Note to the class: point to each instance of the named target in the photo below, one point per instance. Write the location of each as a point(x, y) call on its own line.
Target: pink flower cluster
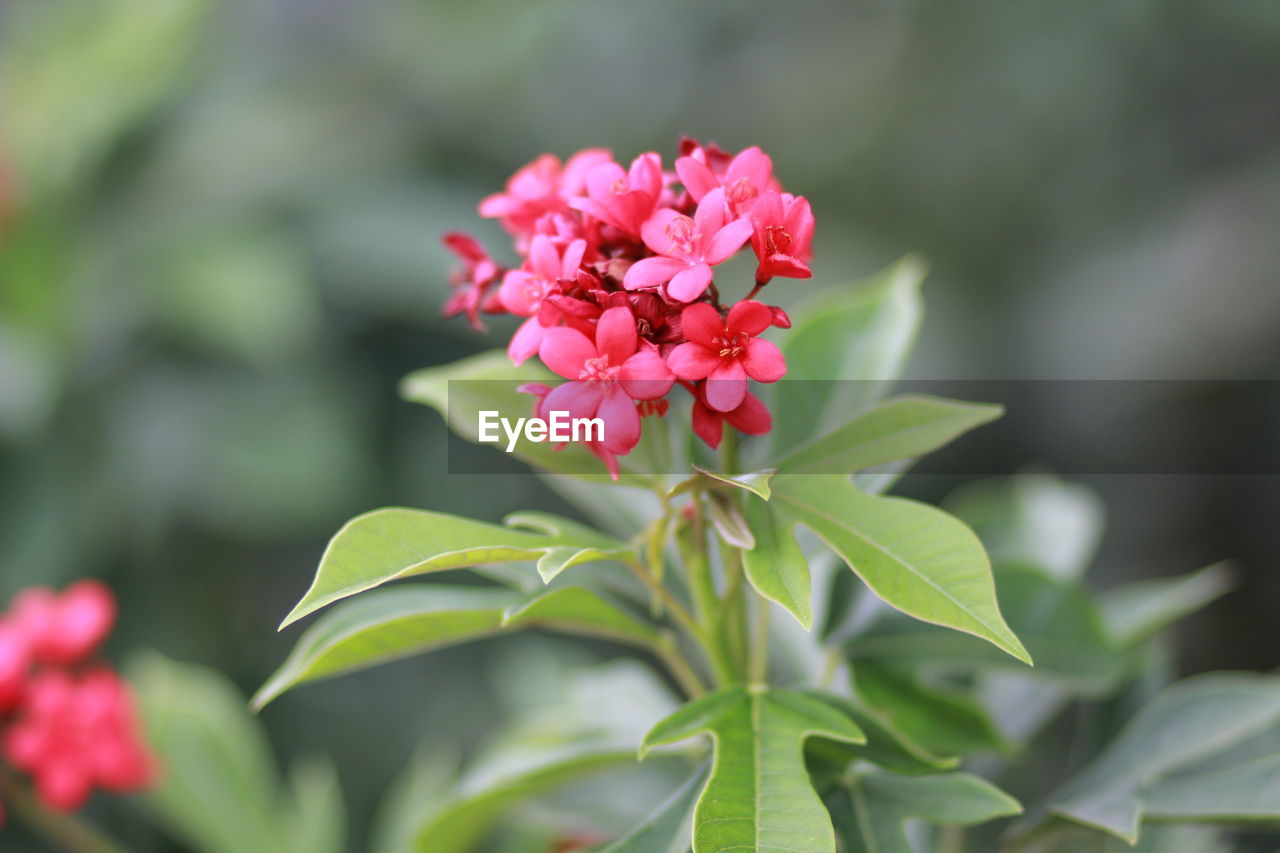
point(617, 284)
point(66, 719)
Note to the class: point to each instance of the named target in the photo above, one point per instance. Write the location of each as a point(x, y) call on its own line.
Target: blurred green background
point(219, 253)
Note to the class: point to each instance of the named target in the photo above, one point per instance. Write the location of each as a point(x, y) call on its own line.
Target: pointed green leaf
point(887, 746)
point(1249, 791)
point(489, 382)
point(579, 610)
point(1056, 619)
point(756, 482)
point(942, 721)
point(388, 544)
point(1186, 724)
point(846, 333)
point(879, 803)
point(776, 567)
point(1138, 610)
point(667, 829)
point(900, 428)
point(759, 796)
point(916, 558)
point(318, 823)
point(387, 625)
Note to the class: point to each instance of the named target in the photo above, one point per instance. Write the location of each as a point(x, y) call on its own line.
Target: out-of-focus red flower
point(471, 283)
point(67, 720)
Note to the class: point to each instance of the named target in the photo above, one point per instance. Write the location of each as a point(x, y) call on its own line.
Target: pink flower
point(625, 200)
point(15, 661)
point(524, 291)
point(606, 376)
point(782, 234)
point(540, 410)
point(687, 248)
point(77, 733)
point(750, 417)
point(471, 283)
point(65, 629)
point(748, 176)
point(726, 352)
point(543, 186)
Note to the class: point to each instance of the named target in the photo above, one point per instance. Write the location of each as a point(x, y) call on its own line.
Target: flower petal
point(707, 425)
point(652, 272)
point(621, 421)
point(701, 324)
point(727, 240)
point(696, 177)
point(526, 341)
point(654, 231)
point(752, 417)
point(690, 283)
point(763, 361)
point(579, 399)
point(646, 376)
point(749, 318)
point(565, 351)
point(572, 259)
point(712, 213)
point(726, 386)
point(616, 336)
point(693, 361)
point(544, 260)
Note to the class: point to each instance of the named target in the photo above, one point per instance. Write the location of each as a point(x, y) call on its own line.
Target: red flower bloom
point(747, 177)
point(606, 376)
point(471, 283)
point(623, 199)
point(64, 629)
point(687, 248)
point(727, 352)
point(76, 733)
point(524, 291)
point(750, 417)
point(782, 234)
point(544, 186)
point(15, 663)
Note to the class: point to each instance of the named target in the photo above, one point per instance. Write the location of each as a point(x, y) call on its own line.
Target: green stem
point(64, 831)
point(669, 653)
point(760, 644)
point(734, 604)
point(707, 604)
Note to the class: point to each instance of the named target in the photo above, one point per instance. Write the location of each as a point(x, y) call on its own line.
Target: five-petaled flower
point(782, 233)
point(606, 375)
point(726, 351)
point(747, 177)
point(524, 292)
point(687, 248)
point(627, 199)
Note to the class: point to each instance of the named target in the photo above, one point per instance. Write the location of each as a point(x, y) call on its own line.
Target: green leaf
point(776, 567)
point(579, 610)
point(1138, 610)
point(1034, 519)
point(489, 382)
point(1186, 724)
point(941, 721)
point(319, 822)
point(220, 785)
point(667, 829)
point(1249, 791)
point(916, 558)
point(595, 726)
point(756, 482)
point(887, 746)
point(901, 428)
point(427, 778)
point(759, 796)
point(387, 625)
point(879, 803)
point(847, 333)
point(389, 544)
point(1056, 619)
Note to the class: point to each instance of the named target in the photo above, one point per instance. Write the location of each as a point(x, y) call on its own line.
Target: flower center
point(732, 346)
point(535, 290)
point(619, 186)
point(741, 191)
point(598, 370)
point(777, 240)
point(683, 234)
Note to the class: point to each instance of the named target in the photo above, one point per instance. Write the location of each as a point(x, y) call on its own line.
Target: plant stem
point(760, 644)
point(65, 831)
point(669, 653)
point(702, 585)
point(678, 610)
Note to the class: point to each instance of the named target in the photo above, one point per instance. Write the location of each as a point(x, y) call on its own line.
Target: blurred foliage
point(218, 254)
